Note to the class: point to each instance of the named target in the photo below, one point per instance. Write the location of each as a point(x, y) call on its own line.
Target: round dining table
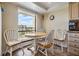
point(36, 36)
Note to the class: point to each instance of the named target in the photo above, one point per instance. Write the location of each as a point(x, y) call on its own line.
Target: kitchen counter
point(73, 31)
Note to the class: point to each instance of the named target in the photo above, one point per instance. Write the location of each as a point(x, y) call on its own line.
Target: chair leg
point(37, 47)
point(46, 52)
point(61, 47)
point(23, 51)
point(6, 49)
point(52, 50)
point(10, 51)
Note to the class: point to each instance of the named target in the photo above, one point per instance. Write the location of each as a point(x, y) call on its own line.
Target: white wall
point(60, 21)
point(0, 31)
point(10, 16)
point(39, 22)
point(9, 19)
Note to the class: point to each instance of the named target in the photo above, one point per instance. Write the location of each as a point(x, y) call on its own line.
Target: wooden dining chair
point(45, 45)
point(10, 37)
point(13, 42)
point(60, 42)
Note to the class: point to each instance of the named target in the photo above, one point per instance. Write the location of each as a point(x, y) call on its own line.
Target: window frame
point(32, 16)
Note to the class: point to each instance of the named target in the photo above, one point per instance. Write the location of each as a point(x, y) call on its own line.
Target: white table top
point(36, 34)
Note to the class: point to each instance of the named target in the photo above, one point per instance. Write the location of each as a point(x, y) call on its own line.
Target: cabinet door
point(70, 11)
point(73, 51)
point(74, 10)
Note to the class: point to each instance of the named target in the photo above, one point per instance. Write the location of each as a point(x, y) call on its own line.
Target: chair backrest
point(50, 37)
point(60, 34)
point(10, 35)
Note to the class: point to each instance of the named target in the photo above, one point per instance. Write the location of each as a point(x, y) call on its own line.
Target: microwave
point(74, 25)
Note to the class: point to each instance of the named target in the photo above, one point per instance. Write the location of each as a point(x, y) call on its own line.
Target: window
point(26, 23)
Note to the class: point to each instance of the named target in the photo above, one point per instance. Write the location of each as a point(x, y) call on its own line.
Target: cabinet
point(73, 44)
point(74, 10)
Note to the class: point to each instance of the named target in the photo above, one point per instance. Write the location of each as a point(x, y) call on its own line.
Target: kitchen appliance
point(74, 25)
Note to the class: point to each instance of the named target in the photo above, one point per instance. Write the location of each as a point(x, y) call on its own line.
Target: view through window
point(26, 24)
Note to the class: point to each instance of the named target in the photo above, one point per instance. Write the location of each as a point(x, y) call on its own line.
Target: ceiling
point(47, 5)
point(41, 7)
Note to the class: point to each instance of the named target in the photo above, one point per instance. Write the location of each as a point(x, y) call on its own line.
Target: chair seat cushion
point(45, 44)
point(14, 42)
point(25, 39)
point(42, 37)
point(11, 43)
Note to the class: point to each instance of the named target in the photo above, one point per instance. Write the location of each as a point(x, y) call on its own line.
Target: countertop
point(73, 31)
